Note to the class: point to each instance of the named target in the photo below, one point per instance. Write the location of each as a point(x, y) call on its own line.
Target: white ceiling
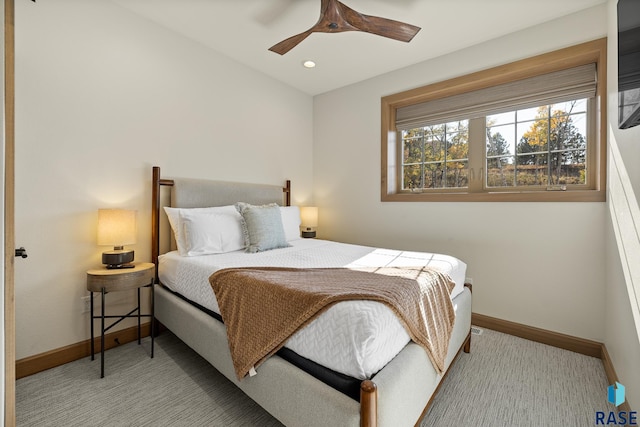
point(245, 29)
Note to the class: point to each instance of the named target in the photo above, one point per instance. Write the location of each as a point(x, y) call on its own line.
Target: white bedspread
point(356, 338)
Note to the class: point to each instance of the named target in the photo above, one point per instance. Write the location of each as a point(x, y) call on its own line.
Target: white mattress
point(356, 338)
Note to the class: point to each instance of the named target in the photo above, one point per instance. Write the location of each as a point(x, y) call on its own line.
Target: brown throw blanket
point(262, 307)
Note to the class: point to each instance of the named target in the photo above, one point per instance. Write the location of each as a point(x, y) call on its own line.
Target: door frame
point(8, 213)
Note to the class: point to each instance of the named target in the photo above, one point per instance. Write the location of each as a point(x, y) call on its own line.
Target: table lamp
point(117, 227)
point(309, 221)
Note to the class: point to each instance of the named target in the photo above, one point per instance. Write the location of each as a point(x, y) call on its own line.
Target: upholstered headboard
point(197, 193)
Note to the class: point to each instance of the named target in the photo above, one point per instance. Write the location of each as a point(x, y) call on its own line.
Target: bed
point(390, 382)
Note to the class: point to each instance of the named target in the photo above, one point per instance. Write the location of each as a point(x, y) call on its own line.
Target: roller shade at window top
point(558, 86)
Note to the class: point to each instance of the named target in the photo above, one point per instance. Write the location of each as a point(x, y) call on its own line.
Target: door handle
point(21, 252)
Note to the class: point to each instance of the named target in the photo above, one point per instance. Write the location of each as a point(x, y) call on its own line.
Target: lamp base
point(118, 259)
point(309, 234)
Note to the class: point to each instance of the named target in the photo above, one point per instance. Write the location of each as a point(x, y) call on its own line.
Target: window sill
point(521, 196)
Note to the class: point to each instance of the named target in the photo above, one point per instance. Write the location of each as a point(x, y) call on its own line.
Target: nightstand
point(104, 281)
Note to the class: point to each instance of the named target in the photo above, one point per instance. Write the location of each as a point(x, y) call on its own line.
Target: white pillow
point(211, 232)
point(291, 222)
point(173, 214)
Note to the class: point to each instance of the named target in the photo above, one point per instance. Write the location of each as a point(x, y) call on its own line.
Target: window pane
point(434, 146)
point(501, 140)
point(574, 157)
point(549, 144)
point(570, 172)
point(435, 132)
point(459, 126)
point(412, 178)
point(501, 119)
point(568, 125)
point(528, 114)
point(500, 172)
point(457, 146)
point(577, 106)
point(412, 152)
point(579, 120)
point(564, 132)
point(533, 136)
point(436, 156)
point(457, 140)
point(457, 174)
point(433, 175)
point(535, 172)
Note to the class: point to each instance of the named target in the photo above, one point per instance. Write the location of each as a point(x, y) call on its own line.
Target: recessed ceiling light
point(308, 64)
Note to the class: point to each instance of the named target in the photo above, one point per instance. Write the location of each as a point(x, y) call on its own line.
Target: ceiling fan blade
point(286, 45)
point(336, 17)
point(380, 26)
point(388, 28)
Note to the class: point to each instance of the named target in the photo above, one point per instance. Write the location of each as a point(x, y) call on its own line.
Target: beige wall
point(541, 264)
point(103, 95)
point(622, 327)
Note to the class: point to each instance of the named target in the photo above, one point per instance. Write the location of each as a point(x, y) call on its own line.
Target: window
point(527, 131)
point(538, 147)
point(436, 156)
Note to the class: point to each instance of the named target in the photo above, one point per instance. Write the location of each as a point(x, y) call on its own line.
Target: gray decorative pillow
point(262, 227)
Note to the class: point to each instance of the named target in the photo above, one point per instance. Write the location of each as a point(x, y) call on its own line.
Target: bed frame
point(399, 394)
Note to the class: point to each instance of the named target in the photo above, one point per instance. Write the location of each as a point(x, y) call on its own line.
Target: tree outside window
point(543, 146)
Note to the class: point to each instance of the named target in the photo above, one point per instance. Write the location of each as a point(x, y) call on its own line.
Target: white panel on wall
point(622, 300)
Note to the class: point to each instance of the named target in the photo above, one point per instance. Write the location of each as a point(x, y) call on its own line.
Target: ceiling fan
point(336, 17)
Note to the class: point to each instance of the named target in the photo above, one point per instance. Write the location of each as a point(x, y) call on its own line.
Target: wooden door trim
point(9, 219)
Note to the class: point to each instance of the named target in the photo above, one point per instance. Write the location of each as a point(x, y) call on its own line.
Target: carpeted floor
point(504, 382)
point(508, 381)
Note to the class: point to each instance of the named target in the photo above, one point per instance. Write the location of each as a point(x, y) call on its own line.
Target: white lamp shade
point(309, 216)
point(116, 227)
